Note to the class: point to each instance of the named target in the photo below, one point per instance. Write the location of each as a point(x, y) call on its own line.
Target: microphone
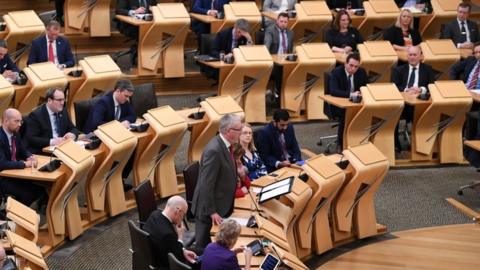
point(52, 165)
point(303, 176)
point(199, 115)
point(77, 72)
point(343, 164)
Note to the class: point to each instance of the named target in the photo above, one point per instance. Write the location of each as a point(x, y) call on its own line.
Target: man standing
point(462, 31)
point(113, 106)
point(7, 67)
point(231, 38)
point(13, 155)
point(52, 48)
point(345, 81)
point(217, 180)
point(277, 144)
point(412, 79)
point(166, 229)
point(49, 124)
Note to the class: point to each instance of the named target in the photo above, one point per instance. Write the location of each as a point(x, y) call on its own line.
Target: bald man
point(14, 155)
point(166, 229)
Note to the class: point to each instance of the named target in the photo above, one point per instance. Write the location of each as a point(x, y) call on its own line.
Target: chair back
point(259, 36)
point(206, 43)
point(190, 176)
point(175, 264)
point(327, 107)
point(142, 257)
point(144, 98)
point(82, 110)
point(145, 199)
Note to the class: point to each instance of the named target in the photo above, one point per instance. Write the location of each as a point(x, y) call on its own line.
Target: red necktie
point(51, 56)
point(14, 148)
point(284, 41)
point(474, 80)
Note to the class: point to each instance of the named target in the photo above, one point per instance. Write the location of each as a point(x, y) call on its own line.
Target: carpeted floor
point(407, 199)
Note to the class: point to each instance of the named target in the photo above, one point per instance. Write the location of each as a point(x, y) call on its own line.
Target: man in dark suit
point(212, 8)
point(462, 31)
point(52, 47)
point(345, 81)
point(132, 8)
point(231, 38)
point(166, 230)
point(113, 106)
point(217, 180)
point(7, 67)
point(14, 155)
point(49, 124)
point(468, 69)
point(277, 144)
point(413, 79)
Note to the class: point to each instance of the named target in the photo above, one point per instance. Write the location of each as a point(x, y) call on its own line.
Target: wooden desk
point(29, 174)
point(223, 68)
point(91, 15)
point(441, 54)
point(242, 10)
point(379, 15)
point(215, 24)
point(310, 22)
point(7, 91)
point(378, 58)
point(443, 12)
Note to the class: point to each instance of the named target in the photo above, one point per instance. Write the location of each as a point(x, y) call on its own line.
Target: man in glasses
point(49, 124)
point(217, 179)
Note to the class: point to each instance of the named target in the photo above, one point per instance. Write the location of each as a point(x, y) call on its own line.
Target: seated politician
point(277, 144)
point(462, 31)
point(166, 231)
point(49, 124)
point(51, 48)
point(402, 34)
point(468, 70)
point(342, 37)
point(213, 8)
point(8, 69)
point(14, 155)
point(132, 8)
point(411, 79)
point(345, 81)
point(231, 38)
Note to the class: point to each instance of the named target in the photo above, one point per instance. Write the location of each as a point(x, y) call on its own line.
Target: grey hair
point(228, 233)
point(243, 25)
point(227, 121)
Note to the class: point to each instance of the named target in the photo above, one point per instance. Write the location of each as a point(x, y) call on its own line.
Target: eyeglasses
point(237, 129)
point(59, 99)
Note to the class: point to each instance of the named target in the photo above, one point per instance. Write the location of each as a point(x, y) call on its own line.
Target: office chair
point(329, 111)
point(472, 154)
point(142, 247)
point(175, 264)
point(145, 199)
point(190, 176)
point(143, 98)
point(82, 109)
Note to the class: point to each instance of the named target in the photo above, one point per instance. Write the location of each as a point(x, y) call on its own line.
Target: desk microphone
point(343, 164)
point(52, 165)
point(77, 72)
point(199, 115)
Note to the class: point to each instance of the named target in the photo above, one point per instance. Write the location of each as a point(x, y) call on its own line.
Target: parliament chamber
point(383, 193)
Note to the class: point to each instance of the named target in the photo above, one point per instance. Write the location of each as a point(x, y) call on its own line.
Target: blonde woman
point(251, 159)
point(402, 35)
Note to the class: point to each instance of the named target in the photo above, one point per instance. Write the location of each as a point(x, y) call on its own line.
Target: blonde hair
point(397, 23)
point(251, 144)
point(228, 233)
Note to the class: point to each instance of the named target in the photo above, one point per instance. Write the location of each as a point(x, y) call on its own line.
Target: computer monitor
point(270, 262)
point(276, 189)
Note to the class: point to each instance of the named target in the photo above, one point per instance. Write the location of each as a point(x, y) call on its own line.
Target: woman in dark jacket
point(342, 37)
point(402, 35)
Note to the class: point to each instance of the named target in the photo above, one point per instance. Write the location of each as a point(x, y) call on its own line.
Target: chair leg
point(472, 185)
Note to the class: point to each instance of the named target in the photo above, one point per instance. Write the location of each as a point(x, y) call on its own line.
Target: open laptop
point(270, 262)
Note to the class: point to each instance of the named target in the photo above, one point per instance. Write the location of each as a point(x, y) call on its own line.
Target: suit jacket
point(223, 42)
point(395, 36)
point(39, 51)
point(39, 131)
point(462, 69)
point(452, 31)
point(164, 239)
point(274, 5)
point(124, 6)
point(272, 38)
point(269, 146)
point(104, 111)
point(351, 38)
point(203, 6)
point(338, 81)
point(6, 154)
point(6, 63)
point(217, 181)
point(400, 76)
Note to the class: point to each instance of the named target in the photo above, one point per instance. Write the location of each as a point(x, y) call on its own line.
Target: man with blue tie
point(51, 48)
point(49, 124)
point(14, 155)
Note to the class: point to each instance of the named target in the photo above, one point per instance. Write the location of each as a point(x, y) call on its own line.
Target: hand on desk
point(31, 162)
point(140, 10)
point(284, 163)
point(465, 45)
point(212, 12)
point(10, 75)
point(413, 90)
point(69, 135)
point(57, 141)
point(126, 124)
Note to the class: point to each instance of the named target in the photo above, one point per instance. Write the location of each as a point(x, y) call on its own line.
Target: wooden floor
point(437, 248)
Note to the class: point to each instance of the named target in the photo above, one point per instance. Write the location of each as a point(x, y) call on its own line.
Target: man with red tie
point(14, 155)
point(52, 48)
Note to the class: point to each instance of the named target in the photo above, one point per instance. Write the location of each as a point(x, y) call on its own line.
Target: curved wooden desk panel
point(376, 19)
point(25, 218)
point(443, 120)
point(376, 120)
point(378, 57)
point(28, 250)
point(441, 55)
point(41, 77)
point(325, 179)
point(310, 22)
point(92, 14)
point(353, 208)
point(7, 92)
point(105, 186)
point(306, 81)
point(430, 27)
point(241, 10)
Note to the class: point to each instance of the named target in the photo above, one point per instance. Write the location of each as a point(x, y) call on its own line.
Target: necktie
point(463, 31)
point(143, 3)
point(51, 56)
point(213, 5)
point(117, 112)
point(14, 148)
point(284, 41)
point(411, 79)
point(474, 79)
point(349, 83)
point(57, 124)
point(283, 146)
